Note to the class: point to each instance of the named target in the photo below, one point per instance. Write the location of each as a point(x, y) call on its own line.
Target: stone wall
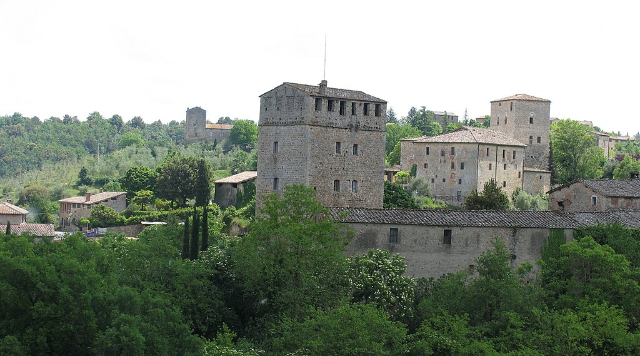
point(427, 255)
point(578, 198)
point(196, 121)
point(536, 182)
point(128, 230)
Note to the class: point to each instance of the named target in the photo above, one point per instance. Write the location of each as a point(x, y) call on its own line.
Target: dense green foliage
point(395, 196)
point(491, 198)
point(574, 153)
point(244, 134)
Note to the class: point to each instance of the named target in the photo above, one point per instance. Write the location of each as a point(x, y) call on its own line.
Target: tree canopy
point(574, 153)
point(491, 198)
point(244, 134)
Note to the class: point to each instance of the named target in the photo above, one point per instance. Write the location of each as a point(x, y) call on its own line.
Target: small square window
point(355, 149)
point(446, 239)
point(338, 149)
point(336, 186)
point(393, 235)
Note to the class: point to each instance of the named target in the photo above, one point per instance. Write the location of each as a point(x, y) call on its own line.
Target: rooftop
point(468, 134)
point(521, 97)
point(34, 229)
point(314, 90)
point(444, 113)
point(10, 209)
point(627, 188)
point(239, 178)
point(93, 199)
point(480, 218)
point(219, 126)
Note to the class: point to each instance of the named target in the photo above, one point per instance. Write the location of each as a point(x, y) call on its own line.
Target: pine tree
point(205, 229)
point(185, 238)
point(195, 235)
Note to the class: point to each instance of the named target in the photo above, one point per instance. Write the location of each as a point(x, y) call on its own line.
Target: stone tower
point(195, 125)
point(326, 138)
point(526, 119)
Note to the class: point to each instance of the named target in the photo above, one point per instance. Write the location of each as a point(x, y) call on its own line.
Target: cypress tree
point(195, 235)
point(185, 238)
point(8, 230)
point(205, 229)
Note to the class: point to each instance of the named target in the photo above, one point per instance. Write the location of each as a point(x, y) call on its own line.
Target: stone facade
point(526, 119)
point(80, 206)
point(536, 181)
point(197, 129)
point(445, 118)
point(326, 138)
point(12, 214)
point(459, 162)
point(596, 195)
point(434, 243)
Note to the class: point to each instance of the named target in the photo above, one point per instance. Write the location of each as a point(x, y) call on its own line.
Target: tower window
point(275, 184)
point(539, 139)
point(446, 238)
point(275, 147)
point(343, 105)
point(442, 153)
point(531, 119)
point(511, 109)
point(453, 165)
point(504, 183)
point(489, 166)
point(459, 195)
point(318, 104)
point(377, 110)
point(336, 186)
point(514, 154)
point(426, 165)
point(504, 154)
point(329, 105)
point(355, 149)
point(393, 235)
point(519, 174)
point(338, 150)
point(427, 150)
point(365, 109)
point(460, 181)
point(505, 166)
point(353, 108)
point(505, 120)
point(594, 200)
point(530, 140)
point(453, 151)
point(461, 165)
point(354, 186)
point(433, 180)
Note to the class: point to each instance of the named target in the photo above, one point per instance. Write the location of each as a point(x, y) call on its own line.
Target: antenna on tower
point(324, 73)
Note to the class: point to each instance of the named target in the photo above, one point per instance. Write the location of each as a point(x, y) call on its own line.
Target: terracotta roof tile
point(219, 126)
point(239, 178)
point(10, 209)
point(468, 134)
point(627, 188)
point(35, 229)
point(336, 93)
point(626, 218)
point(93, 199)
point(521, 97)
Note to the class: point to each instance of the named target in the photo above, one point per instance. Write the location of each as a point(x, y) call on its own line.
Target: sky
point(155, 59)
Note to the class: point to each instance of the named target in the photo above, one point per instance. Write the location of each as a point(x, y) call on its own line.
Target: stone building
point(463, 160)
point(326, 138)
point(585, 195)
point(17, 217)
point(227, 189)
point(437, 242)
point(445, 118)
point(79, 207)
point(526, 119)
point(197, 129)
point(13, 214)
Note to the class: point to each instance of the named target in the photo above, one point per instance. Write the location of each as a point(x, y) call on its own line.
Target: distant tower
point(526, 119)
point(326, 138)
point(195, 125)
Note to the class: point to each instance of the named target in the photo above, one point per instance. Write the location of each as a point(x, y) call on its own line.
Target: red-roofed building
point(79, 207)
point(13, 214)
point(226, 192)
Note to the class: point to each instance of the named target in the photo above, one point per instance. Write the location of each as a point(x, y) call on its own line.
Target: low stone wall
point(127, 230)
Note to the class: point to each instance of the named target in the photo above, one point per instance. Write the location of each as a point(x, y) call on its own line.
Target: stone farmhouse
point(197, 129)
point(444, 118)
point(17, 217)
point(79, 207)
point(585, 195)
point(227, 189)
point(326, 138)
point(461, 161)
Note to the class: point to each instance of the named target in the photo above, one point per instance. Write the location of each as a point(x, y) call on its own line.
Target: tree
point(225, 120)
point(423, 120)
point(391, 116)
point(244, 134)
point(195, 236)
point(7, 231)
point(176, 178)
point(394, 156)
point(292, 259)
point(491, 198)
point(143, 198)
point(627, 169)
point(117, 122)
point(103, 216)
point(396, 197)
point(138, 178)
point(574, 152)
point(83, 177)
point(203, 183)
point(185, 238)
point(131, 138)
point(137, 123)
point(397, 132)
point(205, 229)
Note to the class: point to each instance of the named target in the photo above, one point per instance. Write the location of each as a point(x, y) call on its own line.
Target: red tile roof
point(34, 229)
point(239, 178)
point(468, 134)
point(521, 97)
point(219, 126)
point(10, 209)
point(93, 199)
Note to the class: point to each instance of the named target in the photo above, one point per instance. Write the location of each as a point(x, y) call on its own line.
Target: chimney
point(87, 197)
point(323, 87)
point(100, 190)
point(9, 201)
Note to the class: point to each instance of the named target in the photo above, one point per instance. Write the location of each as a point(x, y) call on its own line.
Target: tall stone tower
point(526, 119)
point(195, 125)
point(326, 138)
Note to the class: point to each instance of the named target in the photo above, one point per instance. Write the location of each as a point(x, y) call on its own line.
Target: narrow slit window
point(343, 107)
point(461, 165)
point(514, 154)
point(353, 108)
point(336, 186)
point(338, 149)
point(355, 149)
point(453, 165)
point(504, 184)
point(276, 184)
point(275, 147)
point(427, 150)
point(377, 110)
point(354, 186)
point(487, 151)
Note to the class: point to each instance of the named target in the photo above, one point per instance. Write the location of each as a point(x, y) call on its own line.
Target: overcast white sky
point(155, 59)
